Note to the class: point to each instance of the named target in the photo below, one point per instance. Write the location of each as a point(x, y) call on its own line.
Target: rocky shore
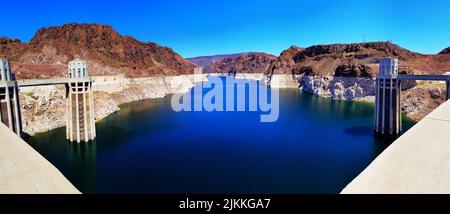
point(43, 107)
point(418, 98)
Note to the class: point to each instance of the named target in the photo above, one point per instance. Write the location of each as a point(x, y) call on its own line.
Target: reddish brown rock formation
point(357, 59)
point(107, 52)
point(10, 47)
point(360, 58)
point(285, 62)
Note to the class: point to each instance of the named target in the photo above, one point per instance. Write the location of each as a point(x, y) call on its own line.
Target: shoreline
point(43, 107)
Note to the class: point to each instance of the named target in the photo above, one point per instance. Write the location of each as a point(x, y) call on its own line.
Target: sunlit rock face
point(338, 87)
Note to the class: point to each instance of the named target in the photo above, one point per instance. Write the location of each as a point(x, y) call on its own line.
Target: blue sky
point(194, 28)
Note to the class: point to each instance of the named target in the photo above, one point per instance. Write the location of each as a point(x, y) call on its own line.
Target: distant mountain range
point(203, 61)
point(109, 53)
point(356, 59)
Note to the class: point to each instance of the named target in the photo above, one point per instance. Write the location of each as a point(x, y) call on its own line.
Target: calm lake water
point(318, 145)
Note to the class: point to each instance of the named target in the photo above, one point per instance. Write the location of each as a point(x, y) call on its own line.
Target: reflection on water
point(318, 145)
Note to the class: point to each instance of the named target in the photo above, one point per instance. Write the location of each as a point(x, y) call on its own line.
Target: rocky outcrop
point(43, 108)
point(445, 51)
point(107, 52)
point(338, 87)
point(353, 70)
point(356, 51)
point(354, 59)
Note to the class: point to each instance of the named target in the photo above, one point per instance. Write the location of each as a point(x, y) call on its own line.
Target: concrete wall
point(417, 162)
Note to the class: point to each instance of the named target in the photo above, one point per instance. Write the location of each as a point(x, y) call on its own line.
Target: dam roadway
point(417, 162)
point(24, 170)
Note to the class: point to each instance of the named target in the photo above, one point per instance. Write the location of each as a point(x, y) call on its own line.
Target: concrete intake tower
point(80, 103)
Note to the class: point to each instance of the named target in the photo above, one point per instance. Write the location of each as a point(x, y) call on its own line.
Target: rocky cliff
point(345, 60)
point(347, 71)
point(417, 101)
point(43, 107)
point(10, 47)
point(107, 52)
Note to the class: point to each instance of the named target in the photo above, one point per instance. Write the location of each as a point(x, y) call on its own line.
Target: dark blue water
point(318, 145)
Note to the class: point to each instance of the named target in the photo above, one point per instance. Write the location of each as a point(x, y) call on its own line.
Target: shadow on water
point(362, 131)
point(381, 142)
point(77, 161)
